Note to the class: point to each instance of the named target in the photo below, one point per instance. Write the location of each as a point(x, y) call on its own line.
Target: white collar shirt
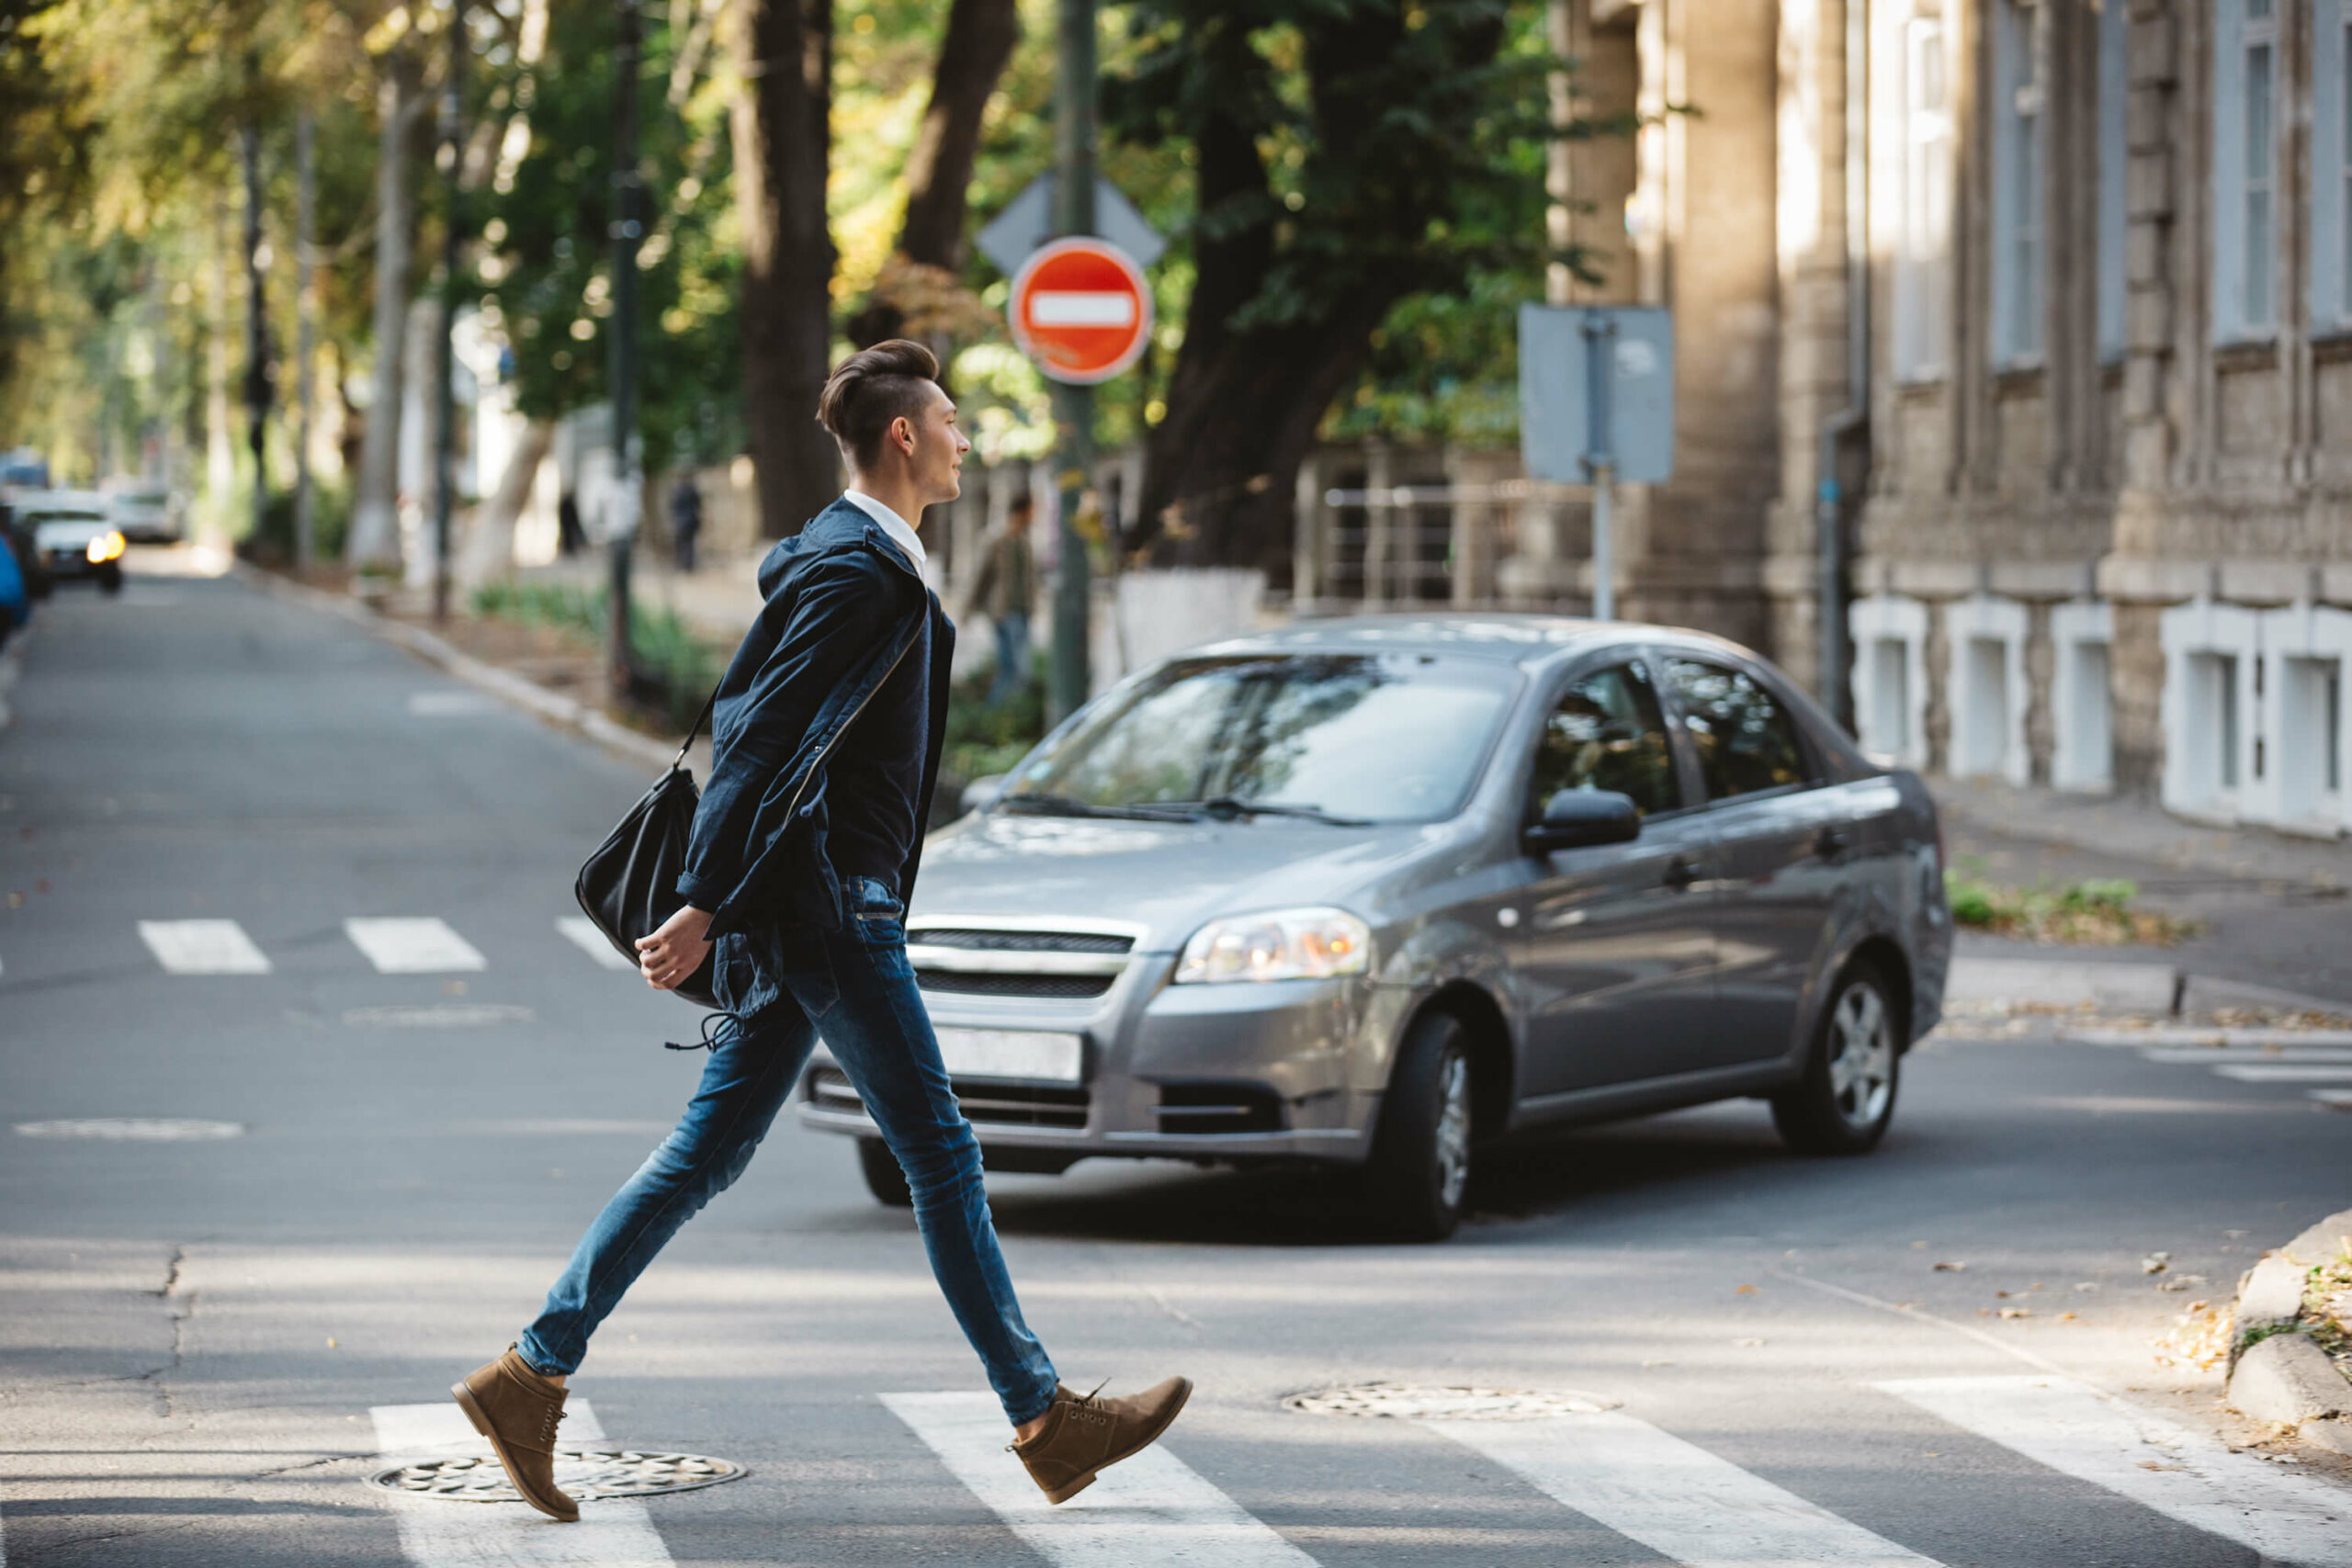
point(900, 533)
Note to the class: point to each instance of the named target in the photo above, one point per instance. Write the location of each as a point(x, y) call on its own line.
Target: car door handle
point(1680, 871)
point(1831, 843)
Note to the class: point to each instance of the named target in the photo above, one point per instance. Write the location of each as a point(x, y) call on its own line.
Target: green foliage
point(2097, 910)
point(984, 741)
point(666, 648)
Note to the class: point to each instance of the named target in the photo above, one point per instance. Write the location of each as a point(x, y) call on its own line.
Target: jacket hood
point(1169, 876)
point(843, 525)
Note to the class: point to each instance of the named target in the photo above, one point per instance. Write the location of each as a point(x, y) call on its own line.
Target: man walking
point(1005, 590)
point(826, 739)
point(686, 520)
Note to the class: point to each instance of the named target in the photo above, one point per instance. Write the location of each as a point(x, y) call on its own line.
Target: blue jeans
point(1012, 656)
point(856, 986)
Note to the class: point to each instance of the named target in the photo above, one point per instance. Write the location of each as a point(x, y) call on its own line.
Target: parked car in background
point(145, 512)
point(73, 534)
point(1381, 891)
point(17, 536)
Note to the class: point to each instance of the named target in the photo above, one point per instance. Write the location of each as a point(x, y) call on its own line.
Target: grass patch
point(681, 664)
point(983, 741)
point(2096, 912)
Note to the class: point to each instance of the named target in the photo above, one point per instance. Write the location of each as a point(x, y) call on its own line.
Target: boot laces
point(1083, 1401)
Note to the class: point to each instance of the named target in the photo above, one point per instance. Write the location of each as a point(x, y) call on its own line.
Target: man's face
point(939, 449)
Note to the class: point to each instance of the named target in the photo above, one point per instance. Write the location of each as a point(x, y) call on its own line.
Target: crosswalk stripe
point(2297, 1073)
point(404, 945)
point(1151, 1510)
point(612, 1533)
point(2153, 1461)
point(203, 947)
point(583, 934)
point(2192, 1057)
point(1673, 1496)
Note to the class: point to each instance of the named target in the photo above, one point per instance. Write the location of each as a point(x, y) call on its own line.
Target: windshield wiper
point(1064, 805)
point(1230, 806)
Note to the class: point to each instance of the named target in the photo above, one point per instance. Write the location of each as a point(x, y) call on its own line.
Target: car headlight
point(1281, 945)
point(106, 546)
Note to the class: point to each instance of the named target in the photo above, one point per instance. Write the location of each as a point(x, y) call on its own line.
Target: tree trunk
point(784, 49)
point(257, 368)
point(489, 541)
point(980, 38)
point(375, 538)
point(306, 195)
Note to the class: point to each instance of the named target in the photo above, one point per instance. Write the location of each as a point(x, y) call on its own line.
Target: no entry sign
point(1082, 310)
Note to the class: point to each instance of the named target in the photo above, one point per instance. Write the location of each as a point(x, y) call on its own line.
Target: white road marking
point(1150, 1510)
point(2296, 1074)
point(401, 945)
point(203, 947)
point(134, 1129)
point(2154, 1462)
point(2341, 1098)
point(611, 1533)
point(439, 1015)
point(450, 705)
point(582, 933)
point(1674, 1497)
point(2209, 1038)
point(2192, 1056)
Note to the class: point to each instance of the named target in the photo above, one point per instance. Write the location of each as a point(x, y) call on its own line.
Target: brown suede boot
point(1083, 1434)
point(516, 1409)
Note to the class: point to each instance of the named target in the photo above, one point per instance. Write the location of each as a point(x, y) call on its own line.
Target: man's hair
point(869, 390)
point(1022, 505)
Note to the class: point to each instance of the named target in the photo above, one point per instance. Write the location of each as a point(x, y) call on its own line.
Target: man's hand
point(670, 955)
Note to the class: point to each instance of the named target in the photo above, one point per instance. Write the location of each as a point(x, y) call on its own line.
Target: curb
point(564, 713)
point(2278, 1372)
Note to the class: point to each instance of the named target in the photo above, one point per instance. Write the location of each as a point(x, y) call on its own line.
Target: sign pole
point(1599, 334)
point(1073, 403)
point(627, 230)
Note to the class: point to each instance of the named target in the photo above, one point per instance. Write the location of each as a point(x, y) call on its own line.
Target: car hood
point(67, 532)
point(1170, 876)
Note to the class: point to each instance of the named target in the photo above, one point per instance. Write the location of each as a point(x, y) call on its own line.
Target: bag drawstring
point(718, 1029)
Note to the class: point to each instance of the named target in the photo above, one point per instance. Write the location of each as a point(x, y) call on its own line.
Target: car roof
point(55, 502)
point(1528, 640)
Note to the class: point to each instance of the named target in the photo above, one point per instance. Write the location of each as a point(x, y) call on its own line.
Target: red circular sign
point(1082, 310)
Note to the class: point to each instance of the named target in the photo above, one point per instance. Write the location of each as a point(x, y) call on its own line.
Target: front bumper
point(1231, 1072)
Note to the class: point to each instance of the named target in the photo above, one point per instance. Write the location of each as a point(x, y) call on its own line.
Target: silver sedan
point(1381, 891)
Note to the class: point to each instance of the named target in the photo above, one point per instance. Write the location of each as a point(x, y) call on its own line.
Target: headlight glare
point(1281, 945)
point(106, 546)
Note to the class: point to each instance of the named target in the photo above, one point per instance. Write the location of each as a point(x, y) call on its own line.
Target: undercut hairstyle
point(869, 390)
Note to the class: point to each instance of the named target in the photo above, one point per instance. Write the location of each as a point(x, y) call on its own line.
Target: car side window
point(1607, 732)
point(1745, 741)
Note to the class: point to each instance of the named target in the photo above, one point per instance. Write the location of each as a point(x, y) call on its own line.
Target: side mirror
point(1574, 819)
point(981, 793)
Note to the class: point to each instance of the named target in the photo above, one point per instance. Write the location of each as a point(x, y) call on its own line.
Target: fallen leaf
point(2156, 1263)
point(1748, 1344)
point(1745, 1291)
point(2017, 1312)
point(2068, 1317)
point(2087, 1285)
point(2002, 1295)
point(1950, 1269)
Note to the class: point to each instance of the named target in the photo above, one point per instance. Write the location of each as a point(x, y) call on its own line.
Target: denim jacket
point(843, 606)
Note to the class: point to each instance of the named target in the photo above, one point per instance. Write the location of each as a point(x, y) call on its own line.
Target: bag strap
point(700, 719)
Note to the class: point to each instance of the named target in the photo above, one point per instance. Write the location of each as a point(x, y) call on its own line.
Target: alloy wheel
point(1453, 1129)
point(1862, 1057)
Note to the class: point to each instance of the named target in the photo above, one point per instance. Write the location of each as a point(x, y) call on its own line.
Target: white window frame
point(2020, 186)
point(2200, 782)
point(1890, 718)
point(2293, 793)
point(2330, 286)
point(2247, 187)
point(1922, 283)
point(2082, 697)
point(1985, 743)
point(2114, 161)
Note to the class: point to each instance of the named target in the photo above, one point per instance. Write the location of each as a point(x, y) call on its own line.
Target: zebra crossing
point(2320, 1061)
point(1658, 1490)
point(389, 944)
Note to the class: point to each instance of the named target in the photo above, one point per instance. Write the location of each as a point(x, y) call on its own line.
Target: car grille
point(1016, 1105)
point(998, 959)
point(1219, 1108)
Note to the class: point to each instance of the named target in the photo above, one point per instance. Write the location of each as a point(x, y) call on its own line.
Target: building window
point(1922, 264)
point(2331, 167)
point(2245, 168)
point(2017, 182)
point(2082, 752)
point(2114, 89)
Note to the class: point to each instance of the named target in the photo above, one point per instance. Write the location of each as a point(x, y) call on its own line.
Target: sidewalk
point(2130, 830)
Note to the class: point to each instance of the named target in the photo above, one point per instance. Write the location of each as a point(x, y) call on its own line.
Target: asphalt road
point(207, 1345)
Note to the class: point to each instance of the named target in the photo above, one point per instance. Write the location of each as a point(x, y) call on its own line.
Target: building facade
point(2059, 293)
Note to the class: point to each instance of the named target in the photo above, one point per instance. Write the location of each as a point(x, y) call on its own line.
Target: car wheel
point(1420, 1170)
point(111, 579)
point(1846, 1099)
point(883, 1176)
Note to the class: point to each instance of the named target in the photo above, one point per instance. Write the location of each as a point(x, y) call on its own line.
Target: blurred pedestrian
point(686, 520)
point(1005, 590)
point(570, 537)
point(827, 730)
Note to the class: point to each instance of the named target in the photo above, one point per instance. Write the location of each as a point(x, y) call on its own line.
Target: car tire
point(110, 580)
point(883, 1176)
point(1419, 1172)
point(1846, 1099)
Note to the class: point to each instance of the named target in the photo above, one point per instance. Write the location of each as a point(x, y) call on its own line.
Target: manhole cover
point(1426, 1402)
point(133, 1129)
point(447, 1015)
point(582, 1472)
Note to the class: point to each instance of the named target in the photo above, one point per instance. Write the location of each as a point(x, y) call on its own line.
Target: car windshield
point(1375, 737)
